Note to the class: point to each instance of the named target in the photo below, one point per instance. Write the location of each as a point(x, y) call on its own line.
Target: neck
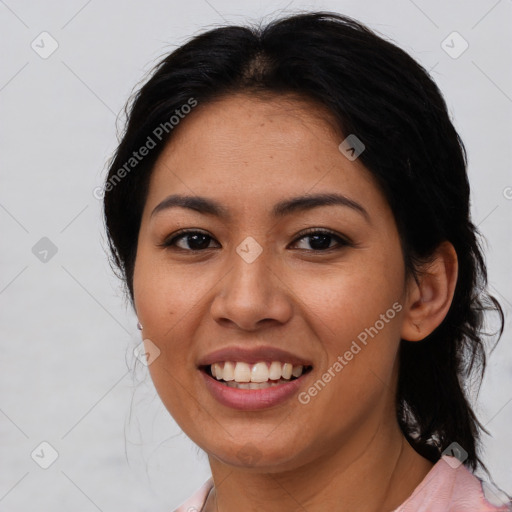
point(376, 472)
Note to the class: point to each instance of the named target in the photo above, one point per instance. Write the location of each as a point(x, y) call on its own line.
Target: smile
point(241, 385)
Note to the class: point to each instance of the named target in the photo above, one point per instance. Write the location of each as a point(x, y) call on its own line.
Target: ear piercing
point(139, 326)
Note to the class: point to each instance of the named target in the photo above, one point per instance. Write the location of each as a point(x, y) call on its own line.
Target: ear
point(429, 299)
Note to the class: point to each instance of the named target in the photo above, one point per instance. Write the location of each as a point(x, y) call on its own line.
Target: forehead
point(251, 150)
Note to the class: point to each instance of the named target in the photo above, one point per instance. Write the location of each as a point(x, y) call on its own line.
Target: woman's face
point(251, 278)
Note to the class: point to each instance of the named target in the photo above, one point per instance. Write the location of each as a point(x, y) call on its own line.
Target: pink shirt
point(448, 487)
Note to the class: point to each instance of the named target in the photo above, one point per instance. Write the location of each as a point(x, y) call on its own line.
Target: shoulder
point(196, 502)
point(451, 487)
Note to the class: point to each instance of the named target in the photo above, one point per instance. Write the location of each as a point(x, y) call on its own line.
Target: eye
point(320, 239)
point(196, 240)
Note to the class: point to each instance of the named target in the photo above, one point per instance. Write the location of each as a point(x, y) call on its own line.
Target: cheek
point(357, 319)
point(162, 304)
point(345, 300)
point(164, 293)
point(164, 307)
point(167, 300)
point(354, 310)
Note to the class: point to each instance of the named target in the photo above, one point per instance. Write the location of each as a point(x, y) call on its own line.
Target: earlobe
point(430, 298)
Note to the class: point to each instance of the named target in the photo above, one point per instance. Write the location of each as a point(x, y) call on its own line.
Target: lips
point(266, 395)
point(254, 396)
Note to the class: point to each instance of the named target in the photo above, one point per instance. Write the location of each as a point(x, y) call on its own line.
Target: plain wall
point(66, 353)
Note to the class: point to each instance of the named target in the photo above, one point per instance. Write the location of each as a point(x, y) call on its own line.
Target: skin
point(343, 449)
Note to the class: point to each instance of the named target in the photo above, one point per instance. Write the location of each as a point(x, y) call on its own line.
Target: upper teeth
point(259, 372)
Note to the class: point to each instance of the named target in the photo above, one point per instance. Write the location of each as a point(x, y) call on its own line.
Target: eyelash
point(342, 241)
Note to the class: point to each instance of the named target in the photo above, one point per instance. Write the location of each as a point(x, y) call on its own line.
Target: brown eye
point(320, 240)
point(192, 241)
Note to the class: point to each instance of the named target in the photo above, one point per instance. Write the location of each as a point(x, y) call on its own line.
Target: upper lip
point(252, 355)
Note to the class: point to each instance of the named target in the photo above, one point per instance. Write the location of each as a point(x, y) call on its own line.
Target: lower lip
point(252, 399)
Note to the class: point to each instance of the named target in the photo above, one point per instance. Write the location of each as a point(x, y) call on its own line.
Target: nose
point(252, 295)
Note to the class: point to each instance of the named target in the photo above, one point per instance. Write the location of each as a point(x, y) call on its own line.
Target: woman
point(289, 210)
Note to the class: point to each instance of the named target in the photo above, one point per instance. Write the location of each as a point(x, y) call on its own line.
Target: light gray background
point(67, 335)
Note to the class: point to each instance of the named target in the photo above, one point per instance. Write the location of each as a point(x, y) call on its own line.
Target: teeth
point(242, 372)
point(257, 374)
point(228, 373)
point(287, 370)
point(297, 371)
point(251, 385)
point(275, 370)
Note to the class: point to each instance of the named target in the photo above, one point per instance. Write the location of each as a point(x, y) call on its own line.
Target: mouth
point(253, 378)
point(257, 376)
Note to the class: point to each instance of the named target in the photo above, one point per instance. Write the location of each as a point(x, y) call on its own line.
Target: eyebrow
point(306, 202)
